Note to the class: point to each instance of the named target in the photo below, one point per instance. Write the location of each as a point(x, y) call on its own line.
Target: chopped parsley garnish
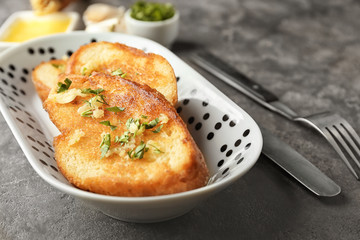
point(92, 91)
point(62, 87)
point(139, 151)
point(102, 99)
point(156, 150)
point(123, 139)
point(134, 121)
point(157, 130)
point(58, 66)
point(152, 124)
point(105, 144)
point(134, 127)
point(97, 93)
point(87, 113)
point(107, 123)
point(119, 72)
point(84, 70)
point(115, 109)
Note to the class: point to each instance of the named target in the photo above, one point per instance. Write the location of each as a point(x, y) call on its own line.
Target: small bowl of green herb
point(152, 20)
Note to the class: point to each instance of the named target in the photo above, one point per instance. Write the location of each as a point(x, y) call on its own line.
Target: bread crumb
point(75, 137)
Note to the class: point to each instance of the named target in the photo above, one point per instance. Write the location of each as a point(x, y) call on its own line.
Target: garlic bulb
point(101, 17)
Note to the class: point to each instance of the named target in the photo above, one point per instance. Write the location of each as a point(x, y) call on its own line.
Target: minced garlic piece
point(130, 145)
point(75, 137)
point(122, 151)
point(163, 118)
point(91, 108)
point(133, 128)
point(119, 151)
point(96, 101)
point(98, 113)
point(66, 96)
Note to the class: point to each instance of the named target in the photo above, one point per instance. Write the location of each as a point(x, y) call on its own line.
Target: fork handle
point(233, 77)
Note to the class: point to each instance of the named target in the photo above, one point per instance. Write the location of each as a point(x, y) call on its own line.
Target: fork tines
point(346, 142)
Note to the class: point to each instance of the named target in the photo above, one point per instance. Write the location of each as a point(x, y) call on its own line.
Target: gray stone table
point(306, 51)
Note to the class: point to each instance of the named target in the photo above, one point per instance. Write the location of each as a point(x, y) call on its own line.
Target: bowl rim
point(71, 190)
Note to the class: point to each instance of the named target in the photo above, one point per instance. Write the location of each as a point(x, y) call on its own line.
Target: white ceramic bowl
point(228, 137)
point(27, 15)
point(164, 32)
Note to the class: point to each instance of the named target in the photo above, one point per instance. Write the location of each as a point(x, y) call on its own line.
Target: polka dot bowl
point(228, 137)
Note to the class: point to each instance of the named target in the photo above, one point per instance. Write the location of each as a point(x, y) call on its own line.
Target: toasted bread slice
point(136, 65)
point(45, 76)
point(169, 163)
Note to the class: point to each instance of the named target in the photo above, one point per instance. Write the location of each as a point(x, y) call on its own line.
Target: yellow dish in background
point(26, 29)
point(25, 25)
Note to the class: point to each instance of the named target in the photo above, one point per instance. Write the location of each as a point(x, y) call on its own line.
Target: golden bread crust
point(180, 167)
point(145, 68)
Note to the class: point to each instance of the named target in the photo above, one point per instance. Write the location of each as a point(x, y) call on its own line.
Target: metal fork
point(339, 133)
point(336, 130)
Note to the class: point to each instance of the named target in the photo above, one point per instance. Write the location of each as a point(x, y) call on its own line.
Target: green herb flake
point(87, 113)
point(62, 87)
point(58, 66)
point(123, 139)
point(130, 121)
point(88, 102)
point(157, 130)
point(92, 91)
point(83, 71)
point(139, 151)
point(143, 116)
point(105, 144)
point(117, 72)
point(130, 153)
point(152, 124)
point(102, 99)
point(115, 109)
point(156, 150)
point(107, 123)
point(123, 75)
